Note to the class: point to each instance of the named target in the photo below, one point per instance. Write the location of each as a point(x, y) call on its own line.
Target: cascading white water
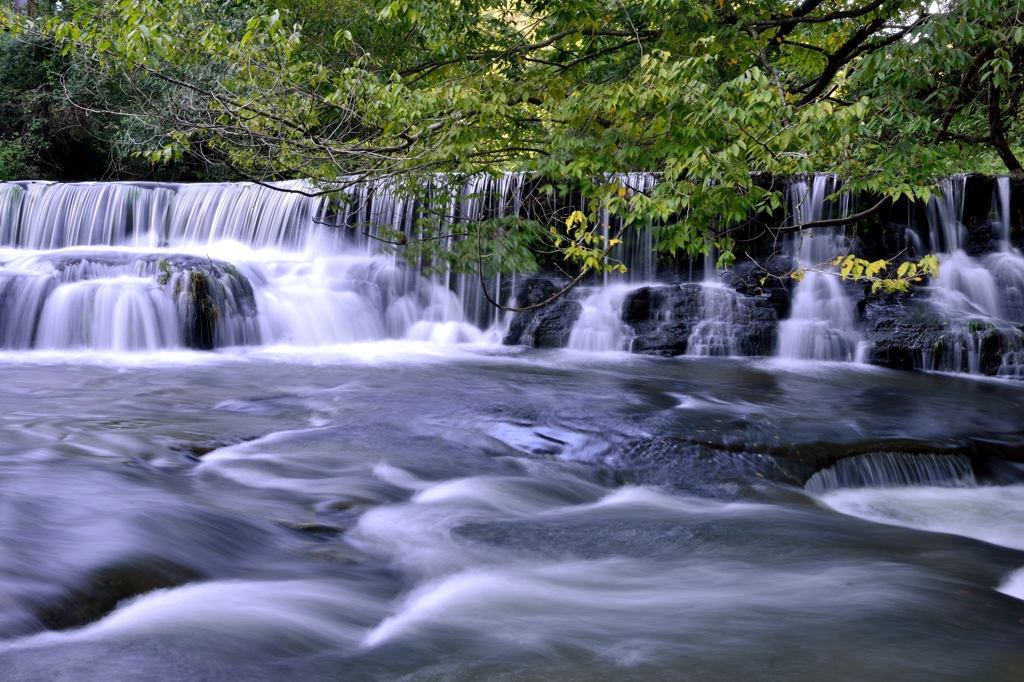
point(1006, 264)
point(975, 298)
point(252, 265)
point(599, 327)
point(822, 323)
point(893, 469)
point(715, 335)
point(311, 270)
point(120, 314)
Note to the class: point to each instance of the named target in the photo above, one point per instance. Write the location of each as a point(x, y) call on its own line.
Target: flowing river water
point(384, 512)
point(361, 488)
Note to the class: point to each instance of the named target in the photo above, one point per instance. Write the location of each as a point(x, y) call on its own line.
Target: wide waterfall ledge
point(145, 266)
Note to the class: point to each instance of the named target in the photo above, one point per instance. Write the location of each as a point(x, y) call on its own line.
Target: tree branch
point(835, 222)
point(821, 19)
point(969, 74)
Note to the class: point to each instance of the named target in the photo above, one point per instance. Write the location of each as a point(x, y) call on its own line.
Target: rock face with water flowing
point(969, 320)
point(124, 301)
point(145, 266)
point(707, 319)
point(128, 267)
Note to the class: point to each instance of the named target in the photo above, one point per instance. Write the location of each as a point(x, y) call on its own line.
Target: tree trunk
point(997, 134)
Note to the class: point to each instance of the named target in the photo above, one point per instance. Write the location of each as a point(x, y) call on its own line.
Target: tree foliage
point(886, 94)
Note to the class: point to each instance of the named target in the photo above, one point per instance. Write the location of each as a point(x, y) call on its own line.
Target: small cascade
point(41, 215)
point(720, 330)
point(260, 217)
point(980, 301)
point(599, 327)
point(123, 301)
point(823, 322)
point(1006, 264)
point(945, 212)
point(891, 470)
point(1001, 210)
point(119, 314)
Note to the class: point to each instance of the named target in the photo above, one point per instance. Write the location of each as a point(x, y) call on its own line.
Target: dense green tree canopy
point(886, 94)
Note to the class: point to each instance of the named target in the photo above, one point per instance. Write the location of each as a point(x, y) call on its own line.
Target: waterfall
point(599, 327)
point(945, 211)
point(147, 266)
point(123, 301)
point(128, 266)
point(980, 301)
point(1001, 210)
point(1006, 264)
point(716, 333)
point(822, 322)
point(892, 469)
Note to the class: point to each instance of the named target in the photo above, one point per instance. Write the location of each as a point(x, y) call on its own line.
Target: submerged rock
point(105, 588)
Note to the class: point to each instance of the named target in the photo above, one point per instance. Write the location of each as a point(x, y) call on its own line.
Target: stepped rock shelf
point(144, 266)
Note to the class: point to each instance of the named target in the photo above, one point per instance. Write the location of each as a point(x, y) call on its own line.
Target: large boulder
point(661, 318)
point(901, 331)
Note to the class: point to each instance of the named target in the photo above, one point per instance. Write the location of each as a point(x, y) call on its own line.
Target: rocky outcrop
point(547, 327)
point(900, 330)
point(662, 320)
point(906, 334)
point(216, 303)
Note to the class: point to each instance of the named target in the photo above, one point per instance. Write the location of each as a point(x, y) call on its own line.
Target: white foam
point(990, 513)
point(1013, 585)
point(316, 613)
point(591, 604)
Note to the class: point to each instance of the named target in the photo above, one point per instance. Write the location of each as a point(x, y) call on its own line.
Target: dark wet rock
point(661, 318)
point(900, 330)
point(315, 531)
point(546, 327)
point(105, 588)
point(217, 304)
point(906, 334)
point(768, 283)
point(666, 320)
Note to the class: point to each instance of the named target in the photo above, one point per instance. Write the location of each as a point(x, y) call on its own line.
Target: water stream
point(237, 443)
point(822, 325)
